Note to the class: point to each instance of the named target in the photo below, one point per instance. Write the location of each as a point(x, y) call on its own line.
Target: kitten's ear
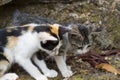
point(63, 30)
point(83, 30)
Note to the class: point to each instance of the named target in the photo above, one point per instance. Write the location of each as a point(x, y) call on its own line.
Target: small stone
point(74, 15)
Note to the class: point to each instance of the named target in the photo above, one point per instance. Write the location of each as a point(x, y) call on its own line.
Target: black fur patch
point(85, 33)
point(49, 45)
point(2, 57)
point(6, 32)
point(62, 30)
point(42, 29)
point(1, 49)
point(41, 55)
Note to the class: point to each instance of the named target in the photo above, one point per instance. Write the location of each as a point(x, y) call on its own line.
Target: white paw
point(51, 73)
point(42, 77)
point(67, 73)
point(9, 76)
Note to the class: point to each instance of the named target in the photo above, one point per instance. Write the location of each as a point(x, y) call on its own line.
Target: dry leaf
point(107, 67)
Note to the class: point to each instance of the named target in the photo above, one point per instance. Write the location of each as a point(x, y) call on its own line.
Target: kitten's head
point(79, 39)
point(50, 37)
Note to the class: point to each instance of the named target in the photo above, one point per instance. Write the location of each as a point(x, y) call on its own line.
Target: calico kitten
point(19, 44)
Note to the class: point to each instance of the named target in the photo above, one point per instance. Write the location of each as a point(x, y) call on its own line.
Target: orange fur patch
point(55, 28)
point(12, 42)
point(4, 63)
point(31, 28)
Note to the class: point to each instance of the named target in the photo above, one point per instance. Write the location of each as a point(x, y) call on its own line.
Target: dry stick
point(93, 58)
point(111, 52)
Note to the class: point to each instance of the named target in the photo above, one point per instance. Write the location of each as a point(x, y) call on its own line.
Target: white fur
point(84, 50)
point(3, 68)
point(31, 24)
point(42, 65)
point(63, 67)
point(46, 36)
point(9, 76)
point(27, 45)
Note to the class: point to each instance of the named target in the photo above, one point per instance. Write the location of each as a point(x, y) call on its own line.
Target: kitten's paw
point(10, 76)
point(42, 77)
point(51, 73)
point(67, 73)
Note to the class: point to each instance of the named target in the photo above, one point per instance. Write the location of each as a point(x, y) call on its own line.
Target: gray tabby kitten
point(76, 41)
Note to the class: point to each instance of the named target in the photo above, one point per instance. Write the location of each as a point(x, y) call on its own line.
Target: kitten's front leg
point(31, 69)
point(63, 67)
point(42, 65)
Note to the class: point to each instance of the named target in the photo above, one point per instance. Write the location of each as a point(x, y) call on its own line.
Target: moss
point(76, 77)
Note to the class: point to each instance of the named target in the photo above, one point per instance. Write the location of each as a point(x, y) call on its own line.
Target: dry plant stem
point(94, 58)
point(111, 52)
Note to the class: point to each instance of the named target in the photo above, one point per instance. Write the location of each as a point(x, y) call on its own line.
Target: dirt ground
point(103, 13)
